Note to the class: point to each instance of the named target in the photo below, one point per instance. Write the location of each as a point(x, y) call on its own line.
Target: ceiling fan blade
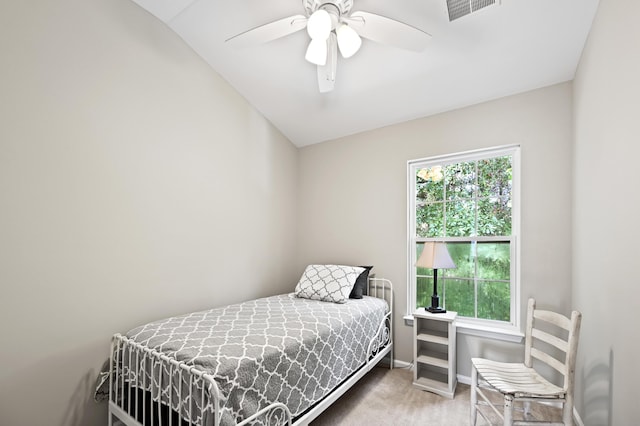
point(388, 31)
point(267, 32)
point(327, 72)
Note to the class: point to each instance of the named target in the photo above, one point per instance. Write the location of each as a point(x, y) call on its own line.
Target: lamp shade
point(348, 40)
point(435, 256)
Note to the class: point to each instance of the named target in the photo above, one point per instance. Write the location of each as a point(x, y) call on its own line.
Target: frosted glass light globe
point(319, 25)
point(317, 52)
point(349, 41)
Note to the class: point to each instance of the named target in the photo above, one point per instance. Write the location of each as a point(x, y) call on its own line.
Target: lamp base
point(435, 303)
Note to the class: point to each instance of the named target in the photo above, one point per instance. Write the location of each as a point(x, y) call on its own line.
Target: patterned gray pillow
point(329, 283)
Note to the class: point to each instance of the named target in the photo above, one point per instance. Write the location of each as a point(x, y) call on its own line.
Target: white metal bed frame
point(121, 411)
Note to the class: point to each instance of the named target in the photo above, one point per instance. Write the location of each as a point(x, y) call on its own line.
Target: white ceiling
point(500, 50)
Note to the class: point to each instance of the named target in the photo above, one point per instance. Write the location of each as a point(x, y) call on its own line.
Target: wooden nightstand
point(434, 352)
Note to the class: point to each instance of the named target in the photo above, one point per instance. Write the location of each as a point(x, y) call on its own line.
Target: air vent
point(460, 8)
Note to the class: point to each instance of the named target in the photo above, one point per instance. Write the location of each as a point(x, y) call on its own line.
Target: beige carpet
point(387, 397)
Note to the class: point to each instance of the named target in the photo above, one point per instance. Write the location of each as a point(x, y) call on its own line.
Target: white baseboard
point(576, 417)
point(465, 380)
point(402, 364)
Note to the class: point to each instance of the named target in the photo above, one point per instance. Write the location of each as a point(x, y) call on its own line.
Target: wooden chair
point(520, 381)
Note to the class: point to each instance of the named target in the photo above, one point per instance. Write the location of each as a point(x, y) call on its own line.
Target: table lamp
point(435, 256)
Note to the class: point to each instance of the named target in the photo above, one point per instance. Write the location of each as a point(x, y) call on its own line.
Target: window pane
point(494, 300)
point(495, 177)
point(429, 220)
point(424, 290)
point(430, 184)
point(460, 180)
point(494, 261)
point(458, 296)
point(462, 255)
point(494, 216)
point(461, 219)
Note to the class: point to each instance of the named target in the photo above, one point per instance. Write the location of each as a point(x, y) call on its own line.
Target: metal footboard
point(140, 394)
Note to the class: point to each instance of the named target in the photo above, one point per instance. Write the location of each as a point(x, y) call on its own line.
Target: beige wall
point(353, 202)
point(606, 212)
point(134, 184)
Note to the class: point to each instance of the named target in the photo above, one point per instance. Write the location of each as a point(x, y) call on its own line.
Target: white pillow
point(329, 283)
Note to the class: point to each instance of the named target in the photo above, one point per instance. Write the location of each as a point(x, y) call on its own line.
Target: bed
point(271, 361)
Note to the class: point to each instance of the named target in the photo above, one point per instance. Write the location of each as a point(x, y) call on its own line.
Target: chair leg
point(474, 395)
point(567, 411)
point(508, 410)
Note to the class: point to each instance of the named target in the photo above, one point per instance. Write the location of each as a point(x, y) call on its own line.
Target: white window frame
point(482, 327)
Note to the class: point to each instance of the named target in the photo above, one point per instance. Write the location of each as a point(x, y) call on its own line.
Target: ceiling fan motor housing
point(343, 6)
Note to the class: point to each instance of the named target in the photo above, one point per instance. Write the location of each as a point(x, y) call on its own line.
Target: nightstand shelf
point(433, 358)
point(437, 381)
point(434, 336)
point(435, 352)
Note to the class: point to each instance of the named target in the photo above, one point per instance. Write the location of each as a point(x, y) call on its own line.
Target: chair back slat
point(563, 345)
point(554, 318)
point(549, 360)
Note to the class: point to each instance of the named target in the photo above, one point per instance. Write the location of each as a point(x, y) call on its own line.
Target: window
point(469, 201)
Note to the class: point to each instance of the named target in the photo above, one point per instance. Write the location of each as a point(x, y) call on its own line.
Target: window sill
point(465, 326)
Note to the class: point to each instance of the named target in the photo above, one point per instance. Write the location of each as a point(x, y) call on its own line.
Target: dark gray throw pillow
point(362, 284)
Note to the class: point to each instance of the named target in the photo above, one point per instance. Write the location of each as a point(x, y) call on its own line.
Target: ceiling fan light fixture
point(317, 52)
point(319, 25)
point(332, 26)
point(349, 41)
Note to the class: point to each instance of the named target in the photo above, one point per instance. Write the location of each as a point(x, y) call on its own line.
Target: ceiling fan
point(332, 26)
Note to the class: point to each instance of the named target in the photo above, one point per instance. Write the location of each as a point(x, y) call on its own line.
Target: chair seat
point(516, 379)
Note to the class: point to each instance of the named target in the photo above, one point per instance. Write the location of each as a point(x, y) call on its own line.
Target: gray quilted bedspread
point(280, 348)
